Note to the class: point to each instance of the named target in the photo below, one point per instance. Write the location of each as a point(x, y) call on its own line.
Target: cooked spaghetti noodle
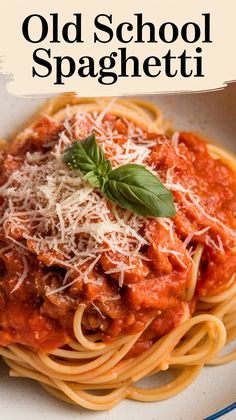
point(88, 306)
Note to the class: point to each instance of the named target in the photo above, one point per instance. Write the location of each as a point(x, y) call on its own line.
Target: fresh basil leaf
point(130, 186)
point(135, 188)
point(93, 179)
point(104, 169)
point(85, 155)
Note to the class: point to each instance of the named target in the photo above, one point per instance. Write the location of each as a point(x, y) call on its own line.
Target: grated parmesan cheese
point(60, 213)
point(63, 214)
point(175, 142)
point(212, 243)
point(190, 236)
point(21, 277)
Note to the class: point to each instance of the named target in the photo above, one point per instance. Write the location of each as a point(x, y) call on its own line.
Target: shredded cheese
point(190, 236)
point(63, 218)
point(22, 276)
point(213, 244)
point(175, 142)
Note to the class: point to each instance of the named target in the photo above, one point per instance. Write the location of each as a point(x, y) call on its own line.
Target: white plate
point(214, 114)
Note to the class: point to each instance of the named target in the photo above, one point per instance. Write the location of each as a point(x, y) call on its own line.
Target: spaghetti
point(116, 297)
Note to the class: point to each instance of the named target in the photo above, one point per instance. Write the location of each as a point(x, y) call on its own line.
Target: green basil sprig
point(130, 186)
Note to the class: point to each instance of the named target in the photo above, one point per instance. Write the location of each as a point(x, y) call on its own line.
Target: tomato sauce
point(154, 289)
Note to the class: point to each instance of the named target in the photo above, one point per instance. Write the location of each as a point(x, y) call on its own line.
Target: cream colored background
point(219, 57)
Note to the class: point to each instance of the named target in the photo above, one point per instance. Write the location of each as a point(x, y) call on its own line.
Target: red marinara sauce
point(154, 289)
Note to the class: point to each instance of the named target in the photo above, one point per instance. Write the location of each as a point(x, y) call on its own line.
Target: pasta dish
point(118, 252)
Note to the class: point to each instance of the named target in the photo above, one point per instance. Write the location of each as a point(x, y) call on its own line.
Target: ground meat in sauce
point(154, 289)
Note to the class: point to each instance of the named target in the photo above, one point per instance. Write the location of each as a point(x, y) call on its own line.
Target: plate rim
point(221, 413)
